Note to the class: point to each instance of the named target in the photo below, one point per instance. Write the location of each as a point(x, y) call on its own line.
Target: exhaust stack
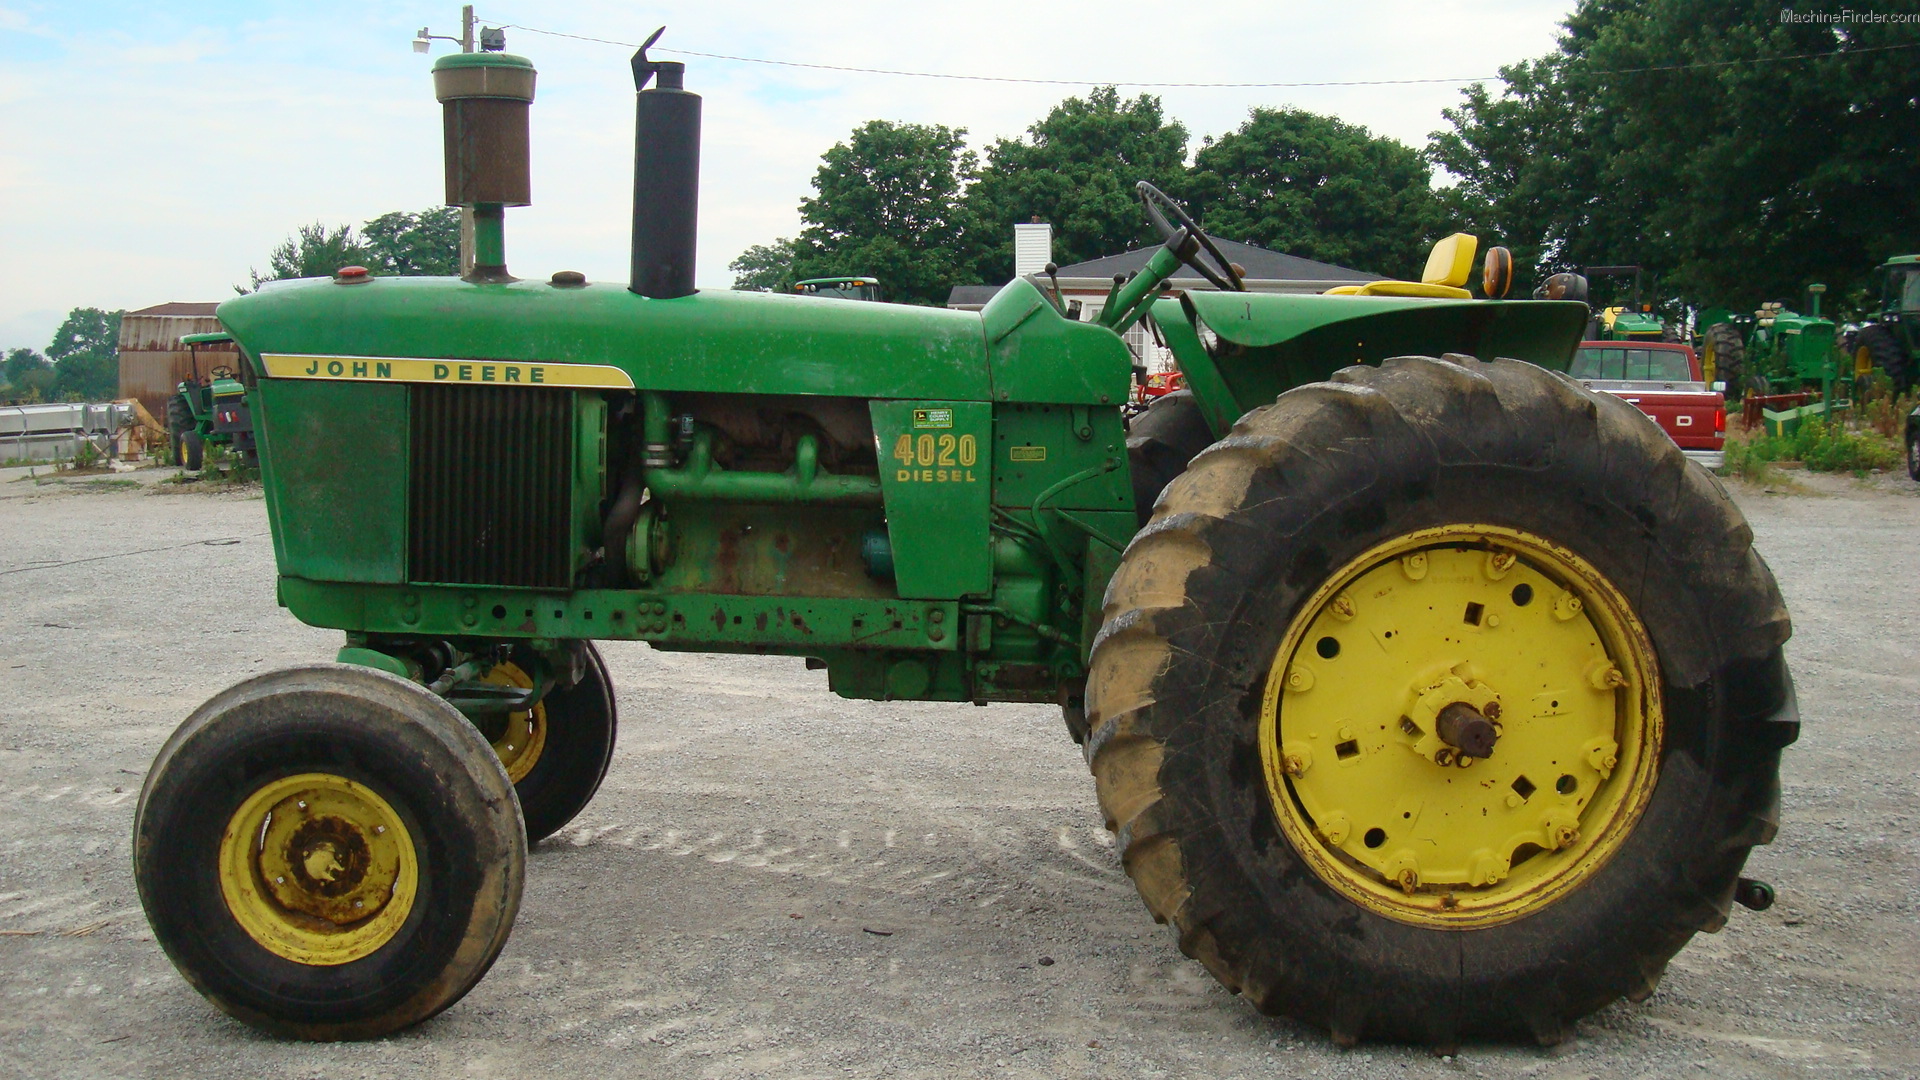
point(485, 99)
point(666, 177)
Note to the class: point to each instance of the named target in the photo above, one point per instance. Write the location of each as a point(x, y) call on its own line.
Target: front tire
point(557, 753)
point(1336, 903)
point(329, 852)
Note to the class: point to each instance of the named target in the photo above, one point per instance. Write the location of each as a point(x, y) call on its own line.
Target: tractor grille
point(491, 494)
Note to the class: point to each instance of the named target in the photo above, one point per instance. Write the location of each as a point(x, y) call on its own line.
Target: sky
point(156, 151)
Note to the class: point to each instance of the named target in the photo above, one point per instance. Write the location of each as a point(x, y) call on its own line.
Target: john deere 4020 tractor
point(1429, 695)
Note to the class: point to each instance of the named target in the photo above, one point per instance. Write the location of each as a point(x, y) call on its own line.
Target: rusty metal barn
point(153, 361)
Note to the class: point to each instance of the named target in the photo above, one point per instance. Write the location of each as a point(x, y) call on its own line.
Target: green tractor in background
point(1773, 350)
point(1890, 337)
point(211, 410)
point(1632, 321)
point(845, 288)
point(1429, 697)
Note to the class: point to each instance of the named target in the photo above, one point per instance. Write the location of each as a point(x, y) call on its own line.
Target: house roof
point(1259, 264)
point(972, 295)
point(177, 307)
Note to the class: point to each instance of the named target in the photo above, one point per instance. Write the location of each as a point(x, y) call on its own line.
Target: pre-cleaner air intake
point(666, 177)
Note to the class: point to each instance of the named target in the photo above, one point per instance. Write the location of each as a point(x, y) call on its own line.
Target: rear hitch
point(1753, 894)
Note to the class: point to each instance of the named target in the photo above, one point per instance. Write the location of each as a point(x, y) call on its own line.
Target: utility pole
point(466, 212)
point(421, 43)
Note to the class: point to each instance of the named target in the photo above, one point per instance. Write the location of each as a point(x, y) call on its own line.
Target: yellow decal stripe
point(416, 370)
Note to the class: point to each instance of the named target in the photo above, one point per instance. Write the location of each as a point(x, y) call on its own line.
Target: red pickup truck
point(1663, 381)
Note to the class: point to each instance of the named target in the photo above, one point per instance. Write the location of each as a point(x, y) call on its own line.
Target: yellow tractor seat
point(1401, 288)
point(1449, 266)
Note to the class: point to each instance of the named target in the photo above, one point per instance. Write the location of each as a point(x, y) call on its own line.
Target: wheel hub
point(318, 869)
point(523, 738)
point(1447, 743)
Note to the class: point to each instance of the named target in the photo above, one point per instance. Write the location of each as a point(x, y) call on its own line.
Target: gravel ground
point(776, 882)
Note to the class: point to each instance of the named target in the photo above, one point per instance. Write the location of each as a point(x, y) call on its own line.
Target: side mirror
point(1720, 387)
point(1496, 273)
point(1565, 287)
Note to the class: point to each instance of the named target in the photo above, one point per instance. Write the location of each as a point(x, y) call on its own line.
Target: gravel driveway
point(777, 882)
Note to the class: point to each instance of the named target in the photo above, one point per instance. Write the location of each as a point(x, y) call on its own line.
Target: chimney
point(1032, 248)
point(666, 177)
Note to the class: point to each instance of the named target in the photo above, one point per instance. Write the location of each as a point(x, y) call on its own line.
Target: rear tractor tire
point(558, 752)
point(1160, 442)
point(179, 422)
point(329, 852)
point(1723, 343)
point(1885, 351)
point(1459, 733)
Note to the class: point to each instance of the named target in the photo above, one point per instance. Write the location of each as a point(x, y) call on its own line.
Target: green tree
point(86, 356)
point(1320, 188)
point(312, 251)
point(887, 202)
point(426, 244)
point(20, 363)
point(27, 375)
point(1076, 169)
point(764, 267)
point(86, 330)
point(1739, 177)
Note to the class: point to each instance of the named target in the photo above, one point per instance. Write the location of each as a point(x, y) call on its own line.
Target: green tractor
point(1773, 350)
point(845, 288)
point(1890, 338)
point(211, 410)
point(1633, 321)
point(1430, 697)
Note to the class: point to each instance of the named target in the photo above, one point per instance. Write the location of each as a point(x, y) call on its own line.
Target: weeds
point(1821, 447)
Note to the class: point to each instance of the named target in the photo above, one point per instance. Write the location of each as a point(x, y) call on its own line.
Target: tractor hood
point(719, 341)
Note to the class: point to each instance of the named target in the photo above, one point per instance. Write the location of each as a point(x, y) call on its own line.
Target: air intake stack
point(666, 177)
point(485, 99)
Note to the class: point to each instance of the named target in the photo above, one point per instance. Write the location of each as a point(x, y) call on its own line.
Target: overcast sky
point(155, 151)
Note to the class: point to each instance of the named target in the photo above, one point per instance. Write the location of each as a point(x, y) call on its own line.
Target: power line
point(1185, 85)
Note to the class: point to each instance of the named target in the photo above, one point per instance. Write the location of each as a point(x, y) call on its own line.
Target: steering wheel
point(1155, 200)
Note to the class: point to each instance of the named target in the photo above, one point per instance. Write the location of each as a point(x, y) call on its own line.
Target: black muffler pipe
point(666, 177)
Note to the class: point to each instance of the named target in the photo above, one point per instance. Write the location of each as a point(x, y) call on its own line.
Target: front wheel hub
point(1461, 725)
point(318, 869)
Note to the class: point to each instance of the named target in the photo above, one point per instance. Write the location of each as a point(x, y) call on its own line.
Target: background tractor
point(846, 288)
point(1429, 697)
point(1890, 337)
point(209, 410)
point(1632, 321)
point(1774, 349)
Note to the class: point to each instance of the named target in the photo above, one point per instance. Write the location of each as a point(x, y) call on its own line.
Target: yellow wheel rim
point(525, 737)
point(1373, 787)
point(318, 869)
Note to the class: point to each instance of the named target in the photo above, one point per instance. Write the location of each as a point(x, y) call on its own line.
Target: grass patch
point(1820, 446)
